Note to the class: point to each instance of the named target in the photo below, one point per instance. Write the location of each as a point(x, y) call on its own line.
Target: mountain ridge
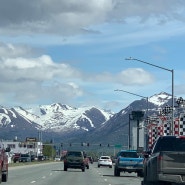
point(63, 122)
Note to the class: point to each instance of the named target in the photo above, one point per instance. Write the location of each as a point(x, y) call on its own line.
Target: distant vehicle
point(57, 158)
point(86, 162)
point(128, 161)
point(90, 159)
point(41, 158)
point(33, 157)
point(74, 159)
point(113, 158)
point(105, 161)
point(16, 157)
point(25, 158)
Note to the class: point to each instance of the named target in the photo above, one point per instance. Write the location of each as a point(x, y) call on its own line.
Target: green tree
point(48, 150)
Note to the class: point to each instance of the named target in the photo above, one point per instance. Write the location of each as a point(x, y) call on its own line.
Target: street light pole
point(130, 114)
point(172, 72)
point(136, 95)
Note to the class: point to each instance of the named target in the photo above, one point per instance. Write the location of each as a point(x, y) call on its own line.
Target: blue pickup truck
point(128, 161)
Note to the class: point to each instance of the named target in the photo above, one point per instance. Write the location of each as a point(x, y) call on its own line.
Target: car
point(74, 159)
point(113, 158)
point(25, 158)
point(128, 161)
point(90, 159)
point(86, 161)
point(105, 161)
point(57, 158)
point(16, 157)
point(33, 157)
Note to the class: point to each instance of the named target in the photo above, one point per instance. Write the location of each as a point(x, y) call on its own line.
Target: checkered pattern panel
point(152, 134)
point(182, 125)
point(160, 130)
point(176, 127)
point(166, 131)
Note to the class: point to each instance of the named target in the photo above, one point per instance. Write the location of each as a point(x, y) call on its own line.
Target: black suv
point(74, 159)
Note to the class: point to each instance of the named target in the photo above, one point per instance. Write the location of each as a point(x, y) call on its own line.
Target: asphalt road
point(53, 174)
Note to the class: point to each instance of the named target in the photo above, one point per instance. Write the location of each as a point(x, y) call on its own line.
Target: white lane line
point(32, 182)
point(50, 174)
point(43, 177)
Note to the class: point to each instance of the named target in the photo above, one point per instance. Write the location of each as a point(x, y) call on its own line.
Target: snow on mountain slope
point(160, 99)
point(58, 117)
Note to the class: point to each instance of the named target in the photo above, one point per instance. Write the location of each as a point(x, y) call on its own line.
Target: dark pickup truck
point(164, 164)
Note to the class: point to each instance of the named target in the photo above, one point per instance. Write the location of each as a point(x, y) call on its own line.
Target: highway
point(53, 173)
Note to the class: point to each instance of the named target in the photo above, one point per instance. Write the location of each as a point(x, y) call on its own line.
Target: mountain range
point(62, 123)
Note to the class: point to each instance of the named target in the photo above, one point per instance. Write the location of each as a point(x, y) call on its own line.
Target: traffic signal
point(82, 144)
point(61, 145)
point(70, 144)
point(87, 144)
point(100, 144)
point(108, 145)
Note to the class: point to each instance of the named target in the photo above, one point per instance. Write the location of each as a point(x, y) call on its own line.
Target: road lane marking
point(33, 182)
point(44, 177)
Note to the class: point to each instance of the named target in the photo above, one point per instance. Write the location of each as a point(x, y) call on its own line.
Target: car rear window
point(171, 144)
point(24, 155)
point(75, 154)
point(129, 154)
point(105, 157)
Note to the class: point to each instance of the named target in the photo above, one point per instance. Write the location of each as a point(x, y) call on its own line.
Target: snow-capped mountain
point(160, 99)
point(69, 123)
point(57, 118)
point(115, 130)
point(61, 118)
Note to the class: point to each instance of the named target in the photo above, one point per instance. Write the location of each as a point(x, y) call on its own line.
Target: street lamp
point(172, 72)
point(130, 114)
point(136, 95)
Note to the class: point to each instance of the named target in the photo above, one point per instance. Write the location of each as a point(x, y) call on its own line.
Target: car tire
point(98, 166)
point(0, 175)
point(87, 166)
point(140, 174)
point(83, 169)
point(110, 166)
point(4, 177)
point(116, 172)
point(65, 168)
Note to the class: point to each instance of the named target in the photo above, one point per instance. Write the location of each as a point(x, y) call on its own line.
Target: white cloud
point(31, 80)
point(135, 76)
point(71, 17)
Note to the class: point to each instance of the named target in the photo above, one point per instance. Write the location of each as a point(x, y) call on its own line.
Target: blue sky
point(73, 52)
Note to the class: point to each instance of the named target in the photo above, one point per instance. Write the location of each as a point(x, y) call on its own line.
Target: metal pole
point(137, 134)
point(129, 144)
point(172, 125)
point(146, 115)
point(170, 70)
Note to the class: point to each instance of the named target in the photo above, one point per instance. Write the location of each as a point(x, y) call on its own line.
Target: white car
point(105, 161)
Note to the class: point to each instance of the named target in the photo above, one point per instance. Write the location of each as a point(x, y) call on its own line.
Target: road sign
point(118, 146)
